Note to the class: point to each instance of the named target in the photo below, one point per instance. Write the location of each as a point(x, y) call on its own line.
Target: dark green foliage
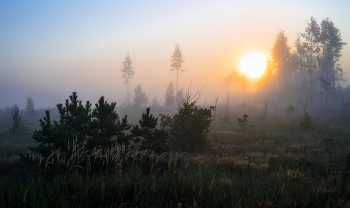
point(48, 136)
point(243, 123)
point(148, 136)
point(75, 118)
point(106, 124)
point(189, 128)
point(305, 122)
point(17, 128)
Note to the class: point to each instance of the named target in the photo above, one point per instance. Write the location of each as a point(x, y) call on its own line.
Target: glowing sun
point(253, 65)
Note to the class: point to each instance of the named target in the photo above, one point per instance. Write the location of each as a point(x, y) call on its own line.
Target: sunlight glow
point(253, 65)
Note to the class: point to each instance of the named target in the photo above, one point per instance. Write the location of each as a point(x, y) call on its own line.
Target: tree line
point(101, 127)
point(312, 67)
point(140, 97)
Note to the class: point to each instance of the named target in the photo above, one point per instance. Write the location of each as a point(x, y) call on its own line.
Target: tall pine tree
point(176, 63)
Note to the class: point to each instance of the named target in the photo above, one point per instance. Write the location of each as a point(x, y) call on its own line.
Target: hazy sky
point(50, 48)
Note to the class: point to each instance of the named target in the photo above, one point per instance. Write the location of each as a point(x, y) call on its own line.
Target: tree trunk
point(127, 85)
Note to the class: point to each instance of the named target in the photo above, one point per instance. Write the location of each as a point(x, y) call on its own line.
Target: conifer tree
point(17, 128)
point(30, 106)
point(48, 136)
point(127, 72)
point(74, 118)
point(169, 95)
point(281, 55)
point(189, 128)
point(312, 37)
point(107, 124)
point(176, 63)
point(148, 136)
point(155, 102)
point(330, 74)
point(140, 98)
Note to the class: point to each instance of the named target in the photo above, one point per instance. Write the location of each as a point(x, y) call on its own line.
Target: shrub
point(243, 123)
point(189, 128)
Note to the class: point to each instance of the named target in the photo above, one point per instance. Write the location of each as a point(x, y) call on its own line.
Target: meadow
point(271, 161)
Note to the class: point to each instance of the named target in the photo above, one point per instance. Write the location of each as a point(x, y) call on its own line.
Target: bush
point(189, 128)
point(243, 123)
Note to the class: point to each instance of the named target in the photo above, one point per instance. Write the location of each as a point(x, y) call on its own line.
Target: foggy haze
point(50, 49)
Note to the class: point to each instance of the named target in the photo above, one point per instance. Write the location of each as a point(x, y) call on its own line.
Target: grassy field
point(272, 163)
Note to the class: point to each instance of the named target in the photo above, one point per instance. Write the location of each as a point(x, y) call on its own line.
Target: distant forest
point(311, 73)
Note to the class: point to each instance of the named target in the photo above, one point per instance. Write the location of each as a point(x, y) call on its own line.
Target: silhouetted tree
point(30, 106)
point(74, 119)
point(17, 123)
point(155, 102)
point(176, 63)
point(268, 79)
point(140, 98)
point(48, 136)
point(169, 95)
point(106, 124)
point(189, 128)
point(280, 54)
point(330, 72)
point(302, 55)
point(148, 136)
point(239, 78)
point(127, 72)
point(312, 37)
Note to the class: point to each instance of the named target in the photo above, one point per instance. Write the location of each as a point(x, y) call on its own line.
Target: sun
point(253, 65)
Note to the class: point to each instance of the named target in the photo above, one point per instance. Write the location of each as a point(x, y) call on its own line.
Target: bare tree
point(176, 63)
point(264, 113)
point(307, 101)
point(127, 72)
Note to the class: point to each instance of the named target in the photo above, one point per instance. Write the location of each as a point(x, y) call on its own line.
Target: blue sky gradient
point(50, 48)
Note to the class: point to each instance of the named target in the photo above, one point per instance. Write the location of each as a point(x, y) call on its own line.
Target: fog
point(50, 49)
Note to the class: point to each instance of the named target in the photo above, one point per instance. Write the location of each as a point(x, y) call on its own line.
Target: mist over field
point(50, 49)
point(175, 104)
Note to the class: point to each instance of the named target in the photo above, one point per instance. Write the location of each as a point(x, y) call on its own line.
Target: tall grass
point(278, 166)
